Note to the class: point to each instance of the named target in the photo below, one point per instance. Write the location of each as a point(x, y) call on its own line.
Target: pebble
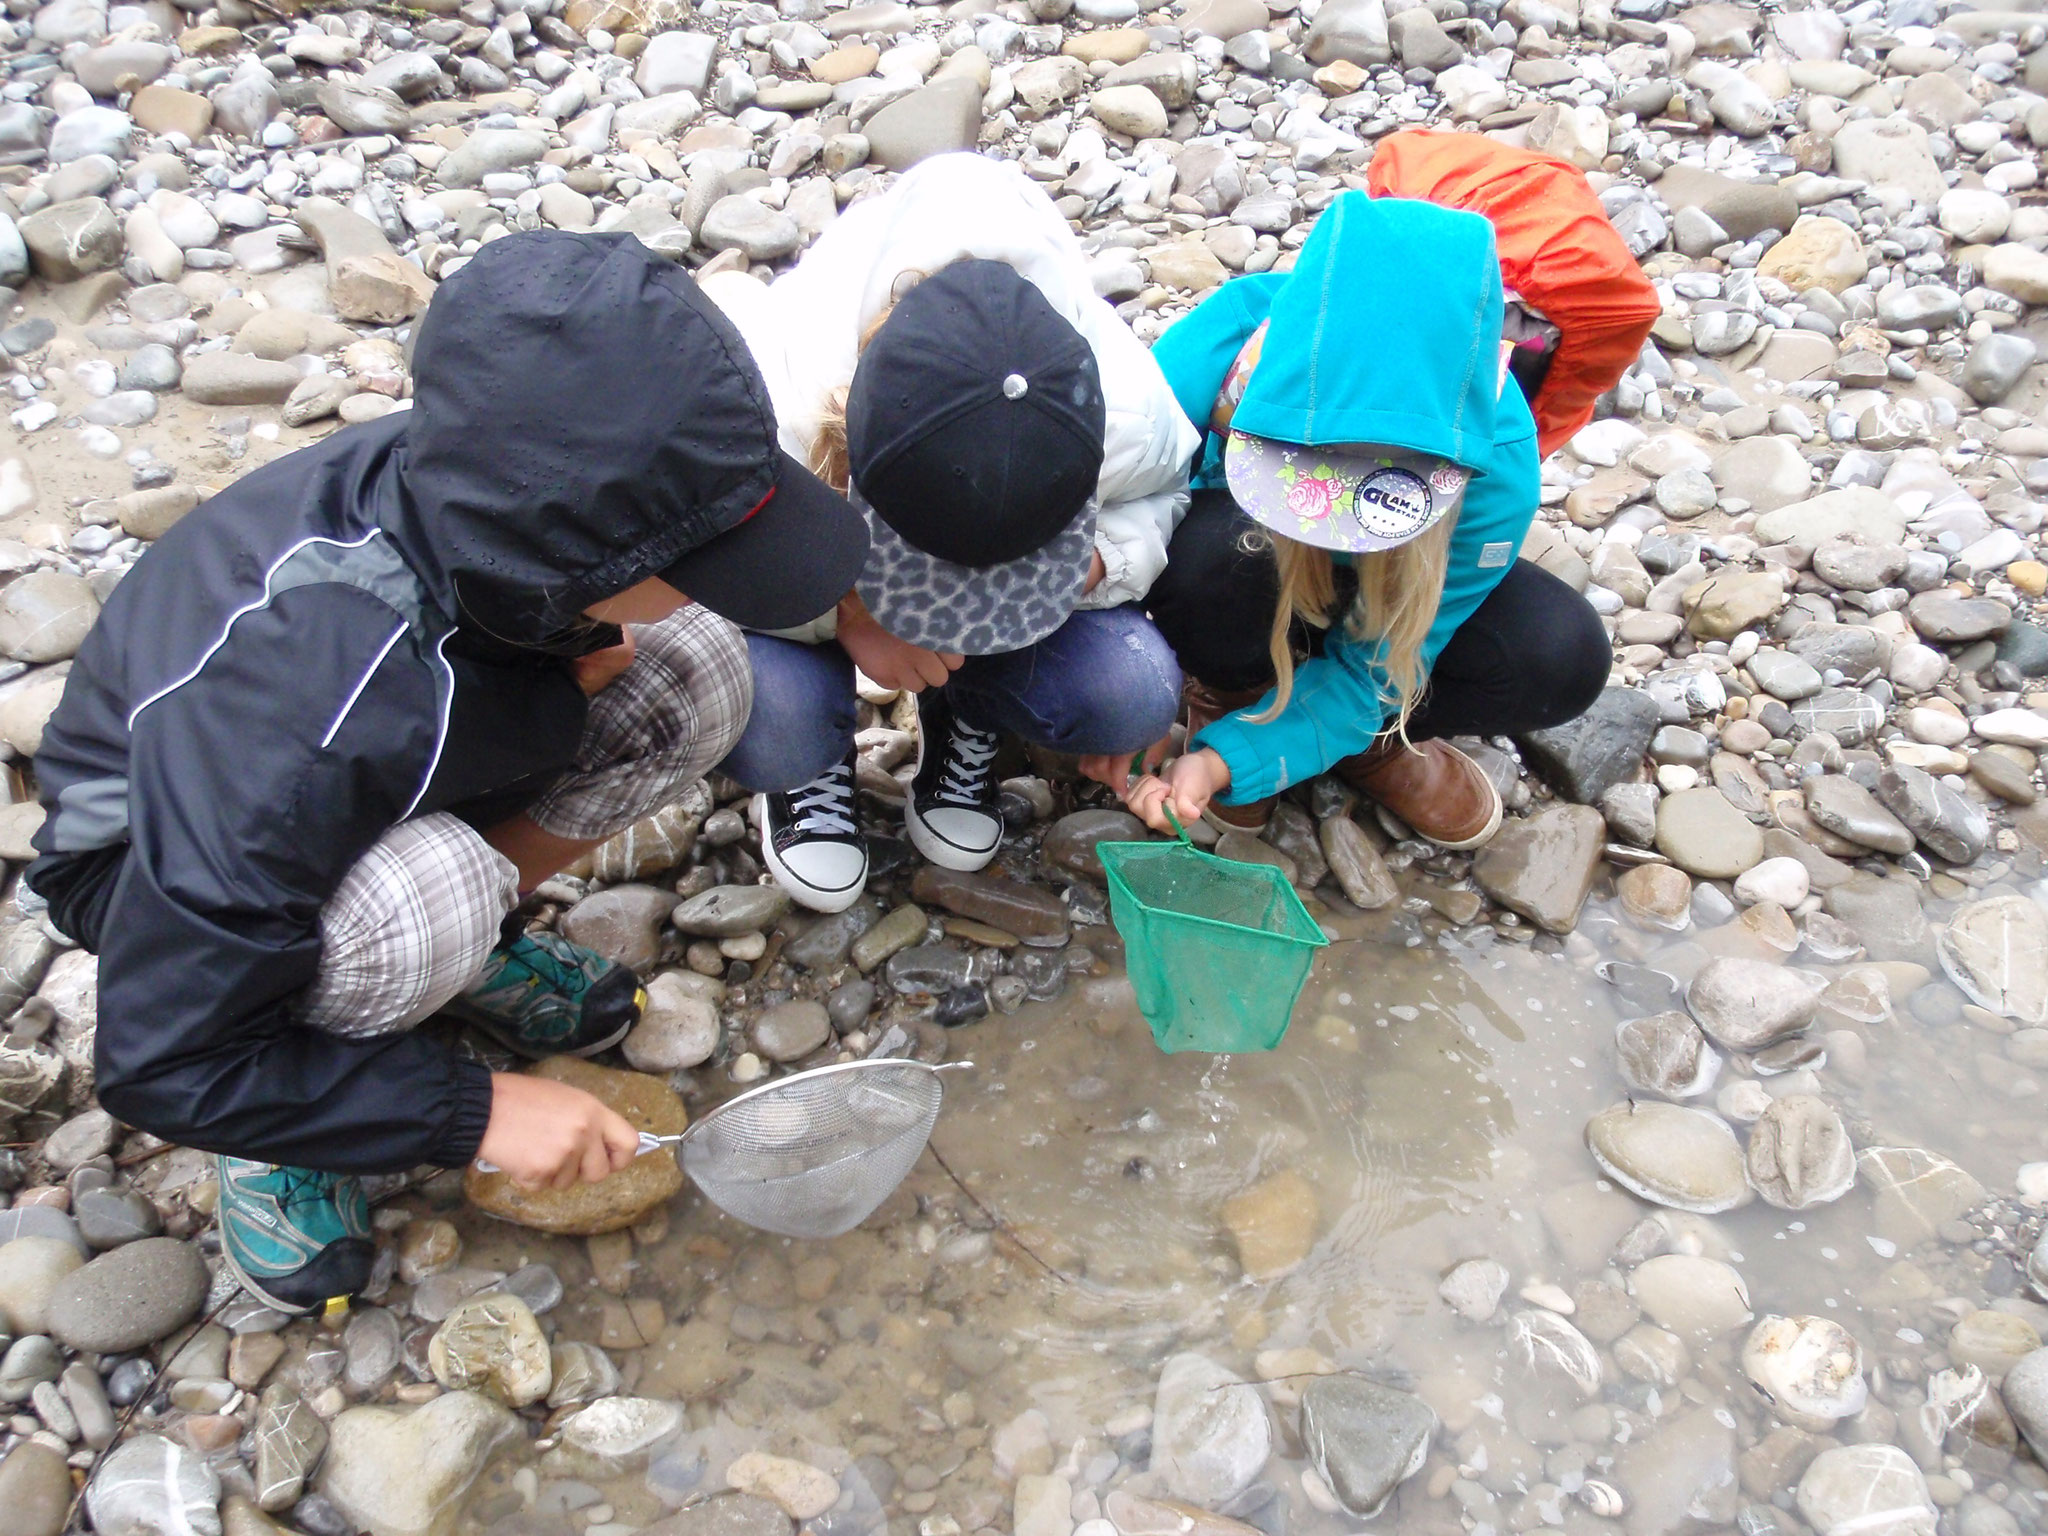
point(1364, 1439)
point(1210, 1435)
point(1684, 1158)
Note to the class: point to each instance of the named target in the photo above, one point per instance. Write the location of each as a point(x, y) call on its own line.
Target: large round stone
point(132, 1296)
point(1683, 1158)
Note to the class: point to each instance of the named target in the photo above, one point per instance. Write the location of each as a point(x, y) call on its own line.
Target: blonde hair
point(1398, 592)
point(829, 460)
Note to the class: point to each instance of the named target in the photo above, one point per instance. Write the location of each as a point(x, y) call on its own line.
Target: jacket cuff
point(463, 1131)
point(1251, 777)
point(1116, 570)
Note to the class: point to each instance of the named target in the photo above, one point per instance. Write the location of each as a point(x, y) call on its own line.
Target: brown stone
point(166, 109)
point(612, 1203)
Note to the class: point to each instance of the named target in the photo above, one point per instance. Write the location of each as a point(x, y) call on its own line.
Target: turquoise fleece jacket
point(1386, 331)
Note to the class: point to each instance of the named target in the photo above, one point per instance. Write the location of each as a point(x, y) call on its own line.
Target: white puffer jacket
point(804, 330)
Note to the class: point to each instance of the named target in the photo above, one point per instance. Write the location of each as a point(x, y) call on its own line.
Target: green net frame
point(1217, 951)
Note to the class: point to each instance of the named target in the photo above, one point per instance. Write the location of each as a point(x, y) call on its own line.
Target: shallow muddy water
point(1427, 1107)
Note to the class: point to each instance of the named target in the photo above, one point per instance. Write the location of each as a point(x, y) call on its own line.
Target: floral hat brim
point(1354, 500)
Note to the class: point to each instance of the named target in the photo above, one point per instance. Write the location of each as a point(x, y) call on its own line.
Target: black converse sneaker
point(952, 814)
point(811, 843)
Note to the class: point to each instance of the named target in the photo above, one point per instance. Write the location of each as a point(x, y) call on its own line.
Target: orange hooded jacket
point(1557, 251)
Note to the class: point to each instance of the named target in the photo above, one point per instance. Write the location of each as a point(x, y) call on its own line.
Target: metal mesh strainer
point(813, 1155)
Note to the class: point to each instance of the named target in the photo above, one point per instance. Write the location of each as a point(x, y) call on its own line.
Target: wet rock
point(493, 1344)
point(1848, 810)
point(1586, 757)
point(1694, 1296)
point(612, 1203)
point(1683, 1158)
point(1799, 1153)
point(130, 1297)
point(398, 1473)
point(677, 1028)
point(1809, 1366)
point(1996, 951)
point(621, 1434)
point(790, 1031)
point(151, 1486)
point(35, 1489)
point(2025, 1392)
point(1656, 896)
point(736, 1514)
point(1275, 1223)
point(725, 911)
point(238, 378)
point(1210, 1434)
point(1915, 1191)
point(1030, 912)
point(1667, 1054)
point(1360, 872)
point(1866, 1490)
point(1070, 843)
point(1680, 1476)
point(1364, 1439)
point(1949, 826)
point(1704, 835)
point(1547, 1346)
point(803, 1492)
point(290, 1440)
point(1993, 1342)
point(1544, 866)
point(32, 1266)
point(1473, 1289)
point(1746, 1005)
point(895, 933)
point(623, 923)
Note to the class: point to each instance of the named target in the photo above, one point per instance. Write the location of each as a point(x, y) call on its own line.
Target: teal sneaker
point(297, 1240)
point(540, 995)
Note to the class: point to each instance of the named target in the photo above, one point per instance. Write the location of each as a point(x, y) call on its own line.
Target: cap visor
point(1354, 503)
point(784, 566)
point(976, 610)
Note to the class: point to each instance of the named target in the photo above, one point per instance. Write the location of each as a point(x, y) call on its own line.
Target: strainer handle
point(649, 1142)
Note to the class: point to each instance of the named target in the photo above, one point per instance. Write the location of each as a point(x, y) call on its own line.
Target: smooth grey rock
point(151, 1486)
point(1950, 826)
point(1363, 1438)
point(129, 1297)
point(726, 911)
point(1590, 755)
point(1746, 1005)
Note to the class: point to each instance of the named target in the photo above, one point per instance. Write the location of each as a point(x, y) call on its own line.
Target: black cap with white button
point(975, 438)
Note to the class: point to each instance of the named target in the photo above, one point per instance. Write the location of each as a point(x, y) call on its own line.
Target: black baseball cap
point(584, 417)
point(974, 431)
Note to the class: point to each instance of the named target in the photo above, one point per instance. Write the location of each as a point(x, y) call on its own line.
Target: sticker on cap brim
point(1392, 503)
point(1447, 479)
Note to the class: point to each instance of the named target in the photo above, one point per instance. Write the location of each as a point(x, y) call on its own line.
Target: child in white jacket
point(1022, 463)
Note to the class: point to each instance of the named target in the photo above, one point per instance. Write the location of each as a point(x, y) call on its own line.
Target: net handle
point(1179, 831)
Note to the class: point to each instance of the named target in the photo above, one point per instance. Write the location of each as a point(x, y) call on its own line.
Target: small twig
point(142, 1157)
point(121, 1424)
point(1001, 1225)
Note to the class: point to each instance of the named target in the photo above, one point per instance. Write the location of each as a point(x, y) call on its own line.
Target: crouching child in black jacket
point(333, 723)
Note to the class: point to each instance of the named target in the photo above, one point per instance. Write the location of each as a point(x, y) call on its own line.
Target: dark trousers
point(1534, 654)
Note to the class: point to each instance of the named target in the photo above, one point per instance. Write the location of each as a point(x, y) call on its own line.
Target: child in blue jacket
point(1367, 477)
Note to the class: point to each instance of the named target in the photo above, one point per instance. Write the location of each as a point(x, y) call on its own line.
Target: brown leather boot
point(1432, 786)
point(1203, 704)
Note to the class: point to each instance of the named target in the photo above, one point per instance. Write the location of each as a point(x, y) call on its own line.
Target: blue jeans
point(1104, 681)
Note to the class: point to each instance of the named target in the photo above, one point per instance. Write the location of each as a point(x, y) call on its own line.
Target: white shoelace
point(824, 807)
point(968, 754)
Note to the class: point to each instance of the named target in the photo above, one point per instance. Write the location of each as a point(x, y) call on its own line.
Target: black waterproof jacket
point(364, 631)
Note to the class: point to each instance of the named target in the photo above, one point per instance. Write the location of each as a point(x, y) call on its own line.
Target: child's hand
point(1190, 783)
point(600, 669)
point(1113, 770)
point(547, 1133)
point(895, 663)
